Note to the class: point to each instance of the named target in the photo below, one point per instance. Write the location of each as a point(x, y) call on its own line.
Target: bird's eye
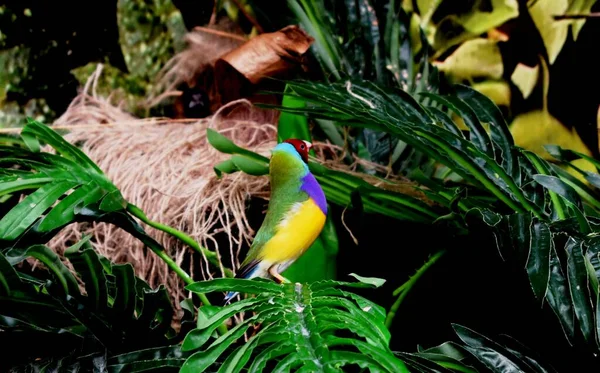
point(302, 146)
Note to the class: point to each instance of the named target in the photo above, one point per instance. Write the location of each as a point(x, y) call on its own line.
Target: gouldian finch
point(295, 216)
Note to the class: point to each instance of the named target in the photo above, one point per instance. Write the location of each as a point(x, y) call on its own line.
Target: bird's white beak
point(308, 144)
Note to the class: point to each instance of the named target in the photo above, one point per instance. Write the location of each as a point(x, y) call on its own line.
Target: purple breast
point(311, 187)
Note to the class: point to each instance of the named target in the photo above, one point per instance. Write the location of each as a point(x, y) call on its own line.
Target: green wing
point(285, 173)
point(279, 206)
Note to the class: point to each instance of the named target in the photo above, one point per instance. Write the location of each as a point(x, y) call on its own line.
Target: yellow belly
point(295, 234)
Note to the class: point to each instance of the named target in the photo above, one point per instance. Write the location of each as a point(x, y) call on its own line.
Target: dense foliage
point(380, 96)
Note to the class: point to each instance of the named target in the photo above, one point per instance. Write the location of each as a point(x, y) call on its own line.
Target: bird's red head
point(302, 147)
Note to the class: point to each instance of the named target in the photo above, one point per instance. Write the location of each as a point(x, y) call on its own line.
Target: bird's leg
point(273, 272)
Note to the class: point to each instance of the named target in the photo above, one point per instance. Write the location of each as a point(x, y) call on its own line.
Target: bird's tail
point(228, 297)
point(248, 271)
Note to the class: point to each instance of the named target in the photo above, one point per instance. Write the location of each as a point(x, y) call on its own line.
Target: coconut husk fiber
point(165, 167)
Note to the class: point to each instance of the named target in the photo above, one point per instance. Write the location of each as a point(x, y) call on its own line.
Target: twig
point(403, 290)
point(220, 33)
point(577, 16)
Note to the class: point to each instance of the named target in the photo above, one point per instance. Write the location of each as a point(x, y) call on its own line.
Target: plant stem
point(405, 288)
point(556, 201)
point(210, 255)
point(161, 253)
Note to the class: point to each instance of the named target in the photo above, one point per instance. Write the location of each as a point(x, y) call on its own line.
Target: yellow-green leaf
point(497, 91)
point(427, 8)
point(534, 130)
point(525, 78)
point(456, 28)
point(554, 33)
point(537, 128)
point(579, 7)
point(479, 21)
point(474, 58)
point(582, 164)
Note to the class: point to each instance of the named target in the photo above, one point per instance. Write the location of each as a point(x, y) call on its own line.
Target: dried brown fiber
point(166, 169)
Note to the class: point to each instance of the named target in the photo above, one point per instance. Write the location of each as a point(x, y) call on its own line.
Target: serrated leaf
point(89, 267)
point(126, 294)
point(42, 253)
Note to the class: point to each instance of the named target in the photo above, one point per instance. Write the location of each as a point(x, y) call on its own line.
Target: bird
point(295, 217)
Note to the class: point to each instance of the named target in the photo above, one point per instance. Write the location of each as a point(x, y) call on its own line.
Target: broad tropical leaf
point(317, 326)
point(477, 353)
point(60, 182)
point(118, 313)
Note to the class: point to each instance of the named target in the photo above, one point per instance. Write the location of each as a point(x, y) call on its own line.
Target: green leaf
point(475, 58)
point(250, 166)
point(292, 126)
point(20, 217)
point(65, 278)
point(579, 7)
point(201, 360)
point(400, 114)
point(233, 284)
point(88, 266)
point(198, 337)
point(225, 167)
point(578, 285)
point(488, 112)
point(50, 137)
point(538, 261)
point(377, 282)
point(224, 145)
point(299, 324)
point(494, 356)
point(558, 296)
point(9, 280)
point(64, 211)
point(10, 186)
point(113, 201)
point(126, 295)
point(478, 134)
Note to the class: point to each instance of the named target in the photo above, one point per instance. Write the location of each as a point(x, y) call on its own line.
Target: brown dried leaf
point(269, 55)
